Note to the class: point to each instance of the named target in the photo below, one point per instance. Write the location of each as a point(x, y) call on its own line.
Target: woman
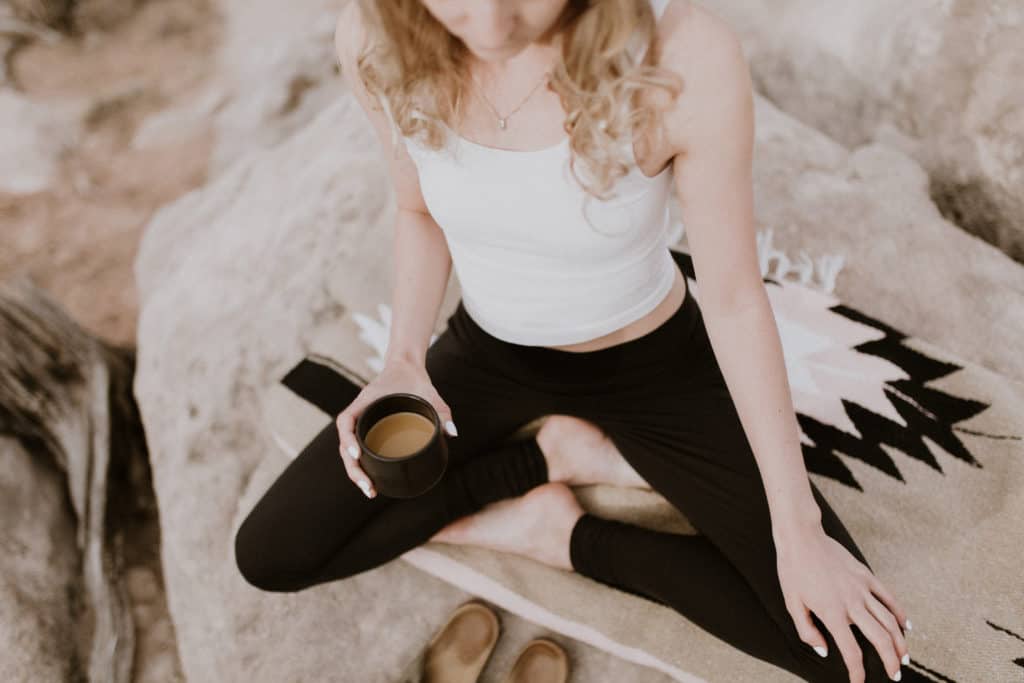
point(551, 203)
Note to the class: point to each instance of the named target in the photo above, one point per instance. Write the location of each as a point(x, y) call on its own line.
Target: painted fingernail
point(821, 650)
point(898, 675)
point(365, 486)
point(449, 427)
point(906, 658)
point(353, 452)
point(908, 625)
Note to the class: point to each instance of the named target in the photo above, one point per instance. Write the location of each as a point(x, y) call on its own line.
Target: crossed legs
point(539, 523)
point(726, 581)
point(677, 431)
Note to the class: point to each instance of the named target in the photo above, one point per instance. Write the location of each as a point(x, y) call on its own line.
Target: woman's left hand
point(818, 574)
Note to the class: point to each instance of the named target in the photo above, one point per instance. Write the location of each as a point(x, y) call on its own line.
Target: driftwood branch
point(67, 396)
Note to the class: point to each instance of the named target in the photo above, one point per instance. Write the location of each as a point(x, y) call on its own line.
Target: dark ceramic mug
point(410, 475)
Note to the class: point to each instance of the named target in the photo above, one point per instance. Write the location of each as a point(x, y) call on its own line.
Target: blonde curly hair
point(420, 70)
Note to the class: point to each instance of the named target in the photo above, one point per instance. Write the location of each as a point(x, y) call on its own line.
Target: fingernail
point(353, 452)
point(898, 675)
point(449, 427)
point(908, 625)
point(906, 658)
point(365, 486)
point(821, 650)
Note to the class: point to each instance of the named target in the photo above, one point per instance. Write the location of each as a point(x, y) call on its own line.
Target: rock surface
point(941, 79)
point(236, 277)
point(903, 261)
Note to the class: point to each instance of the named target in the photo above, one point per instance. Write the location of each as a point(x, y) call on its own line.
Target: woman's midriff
point(638, 328)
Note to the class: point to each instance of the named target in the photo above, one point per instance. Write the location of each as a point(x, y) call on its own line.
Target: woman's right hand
point(397, 376)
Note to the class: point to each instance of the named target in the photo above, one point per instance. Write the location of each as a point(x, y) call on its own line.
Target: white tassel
point(820, 273)
point(376, 333)
point(805, 269)
point(829, 266)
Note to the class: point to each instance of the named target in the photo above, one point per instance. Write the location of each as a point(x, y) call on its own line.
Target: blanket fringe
point(818, 273)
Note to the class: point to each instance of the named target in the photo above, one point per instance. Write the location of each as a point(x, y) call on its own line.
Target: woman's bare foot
point(537, 525)
point(578, 452)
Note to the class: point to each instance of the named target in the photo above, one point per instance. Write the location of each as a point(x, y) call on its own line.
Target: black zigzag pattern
point(927, 411)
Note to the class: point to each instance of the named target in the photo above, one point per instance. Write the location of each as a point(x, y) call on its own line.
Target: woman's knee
point(271, 560)
point(258, 564)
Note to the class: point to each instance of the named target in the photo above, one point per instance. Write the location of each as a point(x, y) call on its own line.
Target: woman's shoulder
point(691, 29)
point(705, 51)
point(699, 45)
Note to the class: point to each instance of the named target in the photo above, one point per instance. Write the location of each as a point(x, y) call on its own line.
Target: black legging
point(663, 401)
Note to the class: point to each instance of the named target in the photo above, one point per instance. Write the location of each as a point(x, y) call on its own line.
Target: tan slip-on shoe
point(540, 661)
point(459, 650)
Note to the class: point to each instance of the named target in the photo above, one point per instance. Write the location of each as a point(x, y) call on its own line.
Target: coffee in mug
point(399, 434)
point(402, 446)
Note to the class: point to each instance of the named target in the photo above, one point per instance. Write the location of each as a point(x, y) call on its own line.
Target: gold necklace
point(503, 120)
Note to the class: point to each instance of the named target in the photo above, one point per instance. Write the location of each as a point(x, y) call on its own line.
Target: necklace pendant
point(501, 124)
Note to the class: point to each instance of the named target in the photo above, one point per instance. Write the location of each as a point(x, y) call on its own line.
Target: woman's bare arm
point(713, 179)
point(422, 262)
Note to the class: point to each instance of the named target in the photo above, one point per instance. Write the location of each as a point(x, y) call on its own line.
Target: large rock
point(940, 78)
point(903, 261)
point(236, 279)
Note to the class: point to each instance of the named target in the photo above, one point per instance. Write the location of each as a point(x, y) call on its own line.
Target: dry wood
point(67, 396)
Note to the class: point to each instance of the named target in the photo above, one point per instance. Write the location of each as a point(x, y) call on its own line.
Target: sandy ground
point(78, 239)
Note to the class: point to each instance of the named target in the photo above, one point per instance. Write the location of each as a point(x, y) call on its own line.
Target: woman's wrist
point(405, 357)
point(796, 523)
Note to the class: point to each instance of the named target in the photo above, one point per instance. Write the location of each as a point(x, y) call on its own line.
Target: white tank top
point(539, 261)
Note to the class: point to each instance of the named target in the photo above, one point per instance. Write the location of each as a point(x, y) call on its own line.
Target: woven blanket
point(919, 452)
